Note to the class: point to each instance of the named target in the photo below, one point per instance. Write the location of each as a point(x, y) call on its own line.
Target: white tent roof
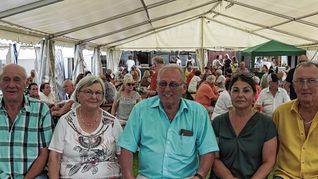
point(161, 24)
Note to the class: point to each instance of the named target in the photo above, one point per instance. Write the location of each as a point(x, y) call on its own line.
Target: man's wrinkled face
point(12, 83)
point(170, 87)
point(306, 84)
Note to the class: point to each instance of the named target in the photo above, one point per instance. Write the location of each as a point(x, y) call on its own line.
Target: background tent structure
point(273, 48)
point(161, 24)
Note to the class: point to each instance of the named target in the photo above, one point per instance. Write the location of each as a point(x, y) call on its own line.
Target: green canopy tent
point(272, 48)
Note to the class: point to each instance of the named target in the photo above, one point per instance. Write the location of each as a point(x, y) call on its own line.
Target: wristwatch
point(199, 176)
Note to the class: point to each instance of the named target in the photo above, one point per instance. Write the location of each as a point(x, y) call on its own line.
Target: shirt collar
point(294, 106)
point(279, 90)
point(183, 105)
point(25, 103)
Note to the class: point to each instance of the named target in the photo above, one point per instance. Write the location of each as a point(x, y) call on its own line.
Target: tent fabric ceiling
point(161, 24)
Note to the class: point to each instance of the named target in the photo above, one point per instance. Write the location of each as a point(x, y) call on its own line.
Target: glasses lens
point(162, 84)
point(174, 85)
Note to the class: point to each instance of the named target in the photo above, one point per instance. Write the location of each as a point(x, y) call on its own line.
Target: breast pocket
point(184, 145)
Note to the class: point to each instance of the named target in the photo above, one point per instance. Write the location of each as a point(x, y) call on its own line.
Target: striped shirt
point(20, 142)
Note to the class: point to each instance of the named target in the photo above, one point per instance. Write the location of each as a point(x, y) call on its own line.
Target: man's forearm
point(38, 165)
point(126, 163)
point(206, 162)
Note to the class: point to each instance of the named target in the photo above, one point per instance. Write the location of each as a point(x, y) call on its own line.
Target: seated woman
point(84, 143)
point(125, 99)
point(247, 139)
point(207, 94)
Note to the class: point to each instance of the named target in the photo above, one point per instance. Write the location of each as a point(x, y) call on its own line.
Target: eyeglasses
point(172, 85)
point(309, 82)
point(130, 84)
point(90, 93)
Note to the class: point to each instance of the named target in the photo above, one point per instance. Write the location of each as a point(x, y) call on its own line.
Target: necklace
point(90, 123)
point(309, 122)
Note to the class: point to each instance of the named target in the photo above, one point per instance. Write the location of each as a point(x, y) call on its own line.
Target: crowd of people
point(233, 124)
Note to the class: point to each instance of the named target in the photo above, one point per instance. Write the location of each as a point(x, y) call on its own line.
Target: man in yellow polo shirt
point(297, 126)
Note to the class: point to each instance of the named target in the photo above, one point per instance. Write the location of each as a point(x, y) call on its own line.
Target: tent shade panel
point(274, 48)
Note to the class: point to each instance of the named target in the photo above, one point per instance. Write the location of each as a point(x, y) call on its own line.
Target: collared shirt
point(194, 84)
point(297, 156)
point(269, 102)
point(47, 99)
point(168, 150)
point(223, 104)
point(20, 145)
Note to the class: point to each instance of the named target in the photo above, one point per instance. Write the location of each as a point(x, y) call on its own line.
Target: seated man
point(33, 91)
point(69, 89)
point(24, 147)
point(173, 135)
point(46, 95)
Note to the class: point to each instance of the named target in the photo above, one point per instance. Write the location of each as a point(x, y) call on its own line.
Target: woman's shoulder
point(107, 117)
point(221, 118)
point(263, 118)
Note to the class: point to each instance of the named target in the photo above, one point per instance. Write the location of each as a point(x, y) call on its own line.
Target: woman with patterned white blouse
point(84, 143)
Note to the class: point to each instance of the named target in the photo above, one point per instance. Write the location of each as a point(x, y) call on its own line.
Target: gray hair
point(172, 67)
point(219, 72)
point(256, 79)
point(88, 81)
point(210, 79)
point(305, 64)
point(18, 67)
point(157, 60)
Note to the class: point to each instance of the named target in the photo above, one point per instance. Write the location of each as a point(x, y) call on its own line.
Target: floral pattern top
point(87, 155)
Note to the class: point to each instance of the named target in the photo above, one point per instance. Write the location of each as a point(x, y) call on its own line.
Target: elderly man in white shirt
point(272, 96)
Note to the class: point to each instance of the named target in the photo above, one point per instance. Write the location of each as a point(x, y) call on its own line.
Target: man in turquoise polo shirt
point(174, 135)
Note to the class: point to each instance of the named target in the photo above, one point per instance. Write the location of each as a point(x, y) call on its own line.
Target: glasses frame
point(91, 93)
point(308, 81)
point(172, 84)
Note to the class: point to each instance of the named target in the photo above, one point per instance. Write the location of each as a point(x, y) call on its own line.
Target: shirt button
point(302, 162)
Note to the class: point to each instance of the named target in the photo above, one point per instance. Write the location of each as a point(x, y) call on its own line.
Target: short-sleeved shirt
point(194, 84)
point(20, 145)
point(242, 154)
point(222, 105)
point(269, 102)
point(297, 155)
point(168, 150)
point(87, 155)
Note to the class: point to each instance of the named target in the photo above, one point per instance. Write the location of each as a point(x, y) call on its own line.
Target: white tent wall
point(96, 67)
point(113, 58)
